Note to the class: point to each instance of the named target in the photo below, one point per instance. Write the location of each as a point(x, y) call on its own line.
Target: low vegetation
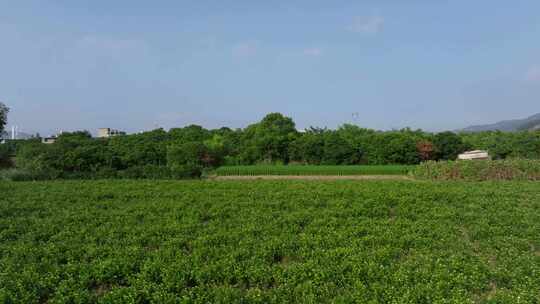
point(269, 242)
point(509, 169)
point(150, 172)
point(312, 170)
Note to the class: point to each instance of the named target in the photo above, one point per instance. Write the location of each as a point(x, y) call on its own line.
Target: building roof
point(475, 152)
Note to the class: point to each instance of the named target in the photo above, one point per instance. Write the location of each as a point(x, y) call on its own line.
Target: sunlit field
point(269, 242)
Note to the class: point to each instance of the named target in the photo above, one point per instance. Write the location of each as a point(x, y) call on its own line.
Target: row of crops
point(312, 170)
point(120, 241)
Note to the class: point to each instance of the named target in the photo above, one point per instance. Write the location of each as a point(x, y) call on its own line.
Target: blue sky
point(134, 65)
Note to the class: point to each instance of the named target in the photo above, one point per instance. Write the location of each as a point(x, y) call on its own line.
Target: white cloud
point(367, 25)
point(245, 49)
point(533, 74)
point(315, 52)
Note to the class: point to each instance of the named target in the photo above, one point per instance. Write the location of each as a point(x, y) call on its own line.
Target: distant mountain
point(529, 123)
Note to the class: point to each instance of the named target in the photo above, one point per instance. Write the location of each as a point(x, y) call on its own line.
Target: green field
point(269, 241)
point(312, 170)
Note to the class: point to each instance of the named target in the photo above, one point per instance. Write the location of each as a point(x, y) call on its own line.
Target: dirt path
point(314, 177)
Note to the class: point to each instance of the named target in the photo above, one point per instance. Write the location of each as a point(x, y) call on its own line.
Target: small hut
point(474, 155)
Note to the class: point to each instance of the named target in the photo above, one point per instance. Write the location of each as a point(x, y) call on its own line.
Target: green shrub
point(106, 173)
point(29, 175)
point(156, 172)
point(15, 175)
point(78, 175)
point(134, 172)
point(5, 157)
point(186, 171)
point(161, 172)
point(187, 153)
point(480, 170)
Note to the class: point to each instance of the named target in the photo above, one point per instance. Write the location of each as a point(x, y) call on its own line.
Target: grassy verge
point(312, 170)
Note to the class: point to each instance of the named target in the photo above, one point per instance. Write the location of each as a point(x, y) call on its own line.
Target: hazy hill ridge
point(529, 123)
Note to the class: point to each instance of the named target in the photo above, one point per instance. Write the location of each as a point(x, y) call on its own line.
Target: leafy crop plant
point(291, 241)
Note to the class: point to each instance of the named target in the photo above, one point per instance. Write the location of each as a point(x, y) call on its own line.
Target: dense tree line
point(186, 152)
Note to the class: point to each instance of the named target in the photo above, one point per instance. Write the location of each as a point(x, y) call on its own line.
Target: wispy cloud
point(367, 25)
point(245, 49)
point(109, 44)
point(533, 74)
point(92, 50)
point(314, 52)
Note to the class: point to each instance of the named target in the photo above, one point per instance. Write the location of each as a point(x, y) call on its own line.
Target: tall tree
point(308, 147)
point(337, 151)
point(3, 117)
point(448, 145)
point(269, 139)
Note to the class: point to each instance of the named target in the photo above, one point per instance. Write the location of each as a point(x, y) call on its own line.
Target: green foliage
point(268, 140)
point(18, 175)
point(312, 170)
point(216, 150)
point(309, 147)
point(190, 133)
point(4, 110)
point(35, 156)
point(190, 153)
point(382, 148)
point(480, 170)
point(13, 146)
point(15, 175)
point(5, 156)
point(400, 148)
point(337, 151)
point(139, 149)
point(74, 136)
point(186, 171)
point(269, 242)
point(506, 144)
point(448, 146)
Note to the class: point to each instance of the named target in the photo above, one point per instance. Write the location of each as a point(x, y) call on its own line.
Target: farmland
point(269, 241)
point(507, 169)
point(300, 170)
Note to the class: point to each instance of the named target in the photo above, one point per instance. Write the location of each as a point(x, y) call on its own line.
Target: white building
point(474, 155)
point(108, 132)
point(49, 140)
